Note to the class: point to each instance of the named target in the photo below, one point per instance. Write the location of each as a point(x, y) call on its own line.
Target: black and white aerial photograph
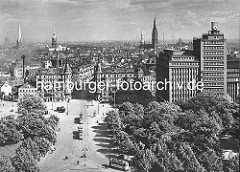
point(119, 85)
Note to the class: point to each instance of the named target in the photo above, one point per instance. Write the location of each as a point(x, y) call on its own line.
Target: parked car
point(61, 109)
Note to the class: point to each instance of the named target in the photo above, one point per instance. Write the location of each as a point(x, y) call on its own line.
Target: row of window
point(182, 58)
point(213, 58)
point(233, 74)
point(27, 90)
point(213, 90)
point(213, 47)
point(214, 84)
point(213, 63)
point(213, 79)
point(214, 53)
point(233, 70)
point(232, 79)
point(212, 42)
point(115, 75)
point(213, 68)
point(51, 76)
point(185, 64)
point(213, 74)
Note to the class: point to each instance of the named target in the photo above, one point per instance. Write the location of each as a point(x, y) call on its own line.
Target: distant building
point(57, 78)
point(26, 89)
point(174, 70)
point(211, 50)
point(154, 42)
point(112, 76)
point(84, 73)
point(6, 89)
point(18, 69)
point(233, 79)
point(47, 64)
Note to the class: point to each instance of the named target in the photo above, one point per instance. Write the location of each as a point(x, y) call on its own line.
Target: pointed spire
point(154, 22)
point(142, 39)
point(19, 34)
point(154, 33)
point(54, 39)
point(54, 34)
point(67, 68)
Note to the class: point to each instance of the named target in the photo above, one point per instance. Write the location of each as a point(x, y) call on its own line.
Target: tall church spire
point(19, 34)
point(142, 39)
point(19, 40)
point(154, 34)
point(54, 39)
point(154, 22)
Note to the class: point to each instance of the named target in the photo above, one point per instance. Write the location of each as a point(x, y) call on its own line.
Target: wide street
point(94, 142)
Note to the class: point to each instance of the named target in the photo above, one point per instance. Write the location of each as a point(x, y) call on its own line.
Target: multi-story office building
point(233, 79)
point(211, 50)
point(177, 75)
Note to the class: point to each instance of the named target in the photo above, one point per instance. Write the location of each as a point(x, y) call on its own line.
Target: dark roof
point(233, 64)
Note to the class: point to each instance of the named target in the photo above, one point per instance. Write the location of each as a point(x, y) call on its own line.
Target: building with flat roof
point(210, 49)
point(177, 73)
point(233, 79)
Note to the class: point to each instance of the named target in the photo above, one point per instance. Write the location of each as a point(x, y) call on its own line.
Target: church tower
point(19, 40)
point(154, 34)
point(54, 39)
point(142, 39)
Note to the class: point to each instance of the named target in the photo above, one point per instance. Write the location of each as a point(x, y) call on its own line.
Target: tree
point(113, 120)
point(144, 160)
point(5, 164)
point(211, 161)
point(32, 125)
point(43, 145)
point(31, 145)
point(31, 104)
point(24, 161)
point(233, 165)
point(9, 135)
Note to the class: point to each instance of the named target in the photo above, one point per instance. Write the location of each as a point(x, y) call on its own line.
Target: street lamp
point(67, 105)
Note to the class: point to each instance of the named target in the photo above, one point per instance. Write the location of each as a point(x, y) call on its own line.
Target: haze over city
point(94, 20)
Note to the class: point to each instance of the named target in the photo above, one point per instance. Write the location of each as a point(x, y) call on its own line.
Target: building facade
point(113, 76)
point(53, 84)
point(233, 79)
point(26, 89)
point(177, 75)
point(84, 73)
point(6, 89)
point(18, 69)
point(211, 50)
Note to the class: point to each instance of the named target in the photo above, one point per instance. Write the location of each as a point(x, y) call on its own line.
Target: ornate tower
point(54, 39)
point(154, 34)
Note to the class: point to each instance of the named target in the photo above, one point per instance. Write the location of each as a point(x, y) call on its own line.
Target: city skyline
point(96, 20)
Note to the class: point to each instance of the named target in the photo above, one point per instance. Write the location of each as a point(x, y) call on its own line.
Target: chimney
point(23, 64)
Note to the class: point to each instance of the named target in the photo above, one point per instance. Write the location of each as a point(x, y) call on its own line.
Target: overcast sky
point(92, 20)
